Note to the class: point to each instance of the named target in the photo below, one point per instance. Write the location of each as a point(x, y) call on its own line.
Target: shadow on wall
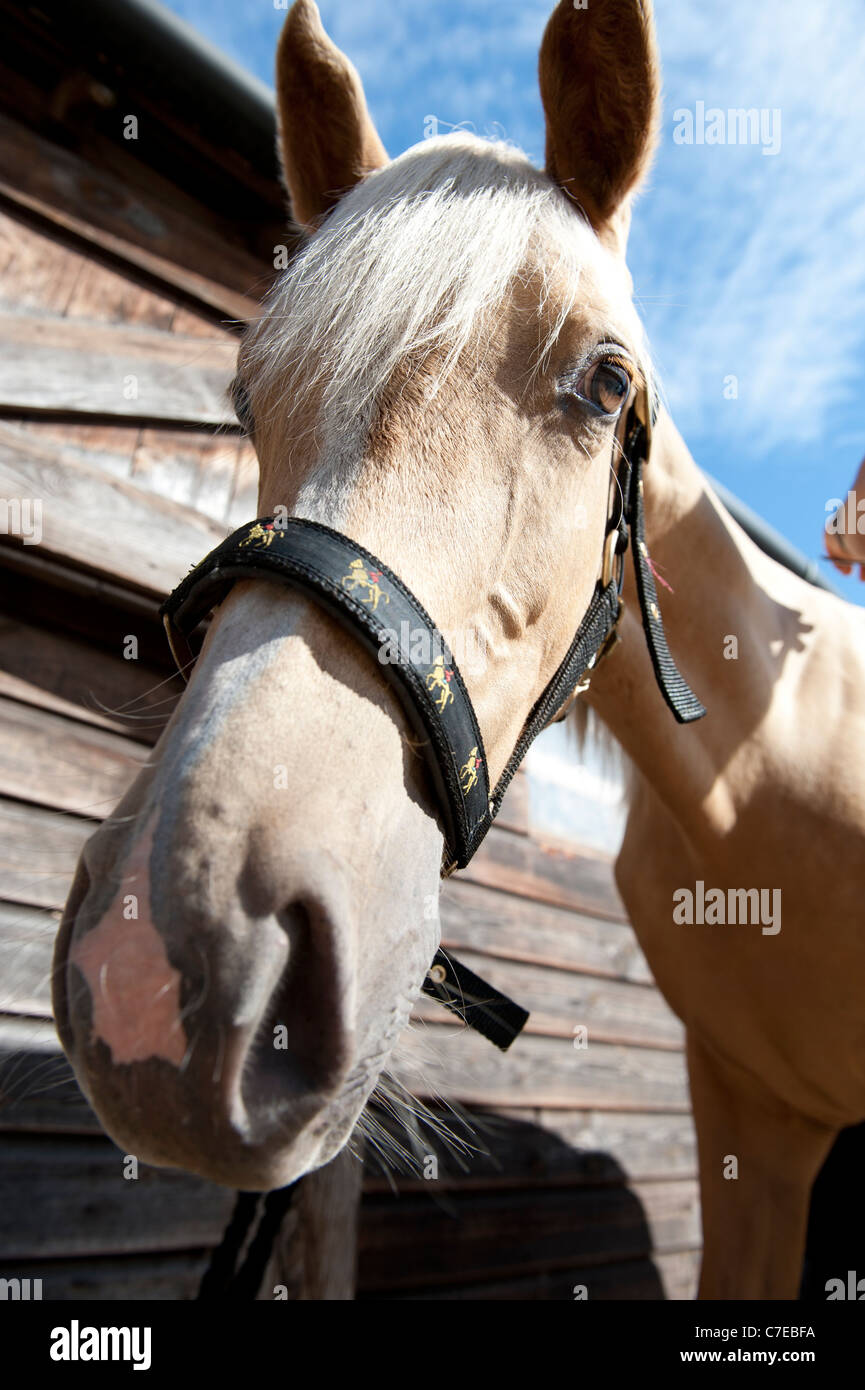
point(532, 1219)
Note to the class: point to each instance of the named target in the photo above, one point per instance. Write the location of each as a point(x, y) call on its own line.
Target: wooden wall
point(115, 348)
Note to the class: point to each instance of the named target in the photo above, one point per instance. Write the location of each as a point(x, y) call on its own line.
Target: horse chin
point(261, 1155)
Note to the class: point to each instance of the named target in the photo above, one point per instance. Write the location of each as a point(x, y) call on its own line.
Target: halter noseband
point(373, 604)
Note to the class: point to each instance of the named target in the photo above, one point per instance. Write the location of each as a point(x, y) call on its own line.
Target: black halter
point(363, 594)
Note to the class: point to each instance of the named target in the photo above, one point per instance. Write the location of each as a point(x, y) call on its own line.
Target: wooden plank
point(194, 467)
point(26, 811)
point(560, 1002)
point(108, 447)
point(536, 1149)
point(38, 853)
point(26, 950)
point(50, 761)
point(505, 1234)
point(515, 928)
point(195, 325)
point(38, 1091)
point(59, 672)
point(113, 370)
point(40, 276)
point(79, 1203)
point(669, 1276)
point(149, 1278)
point(104, 525)
point(436, 1060)
point(25, 693)
point(106, 213)
point(641, 1146)
point(565, 877)
point(36, 275)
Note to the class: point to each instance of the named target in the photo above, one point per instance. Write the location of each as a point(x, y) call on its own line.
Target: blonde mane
point(415, 260)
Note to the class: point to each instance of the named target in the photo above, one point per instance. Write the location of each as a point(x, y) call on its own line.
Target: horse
point(443, 373)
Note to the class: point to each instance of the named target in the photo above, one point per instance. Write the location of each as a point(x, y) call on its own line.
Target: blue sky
point(746, 265)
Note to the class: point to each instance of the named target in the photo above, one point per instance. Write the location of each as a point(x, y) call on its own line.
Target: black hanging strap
point(222, 1279)
point(678, 694)
point(483, 1008)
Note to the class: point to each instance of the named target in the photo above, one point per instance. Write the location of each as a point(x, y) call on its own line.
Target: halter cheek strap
point(379, 611)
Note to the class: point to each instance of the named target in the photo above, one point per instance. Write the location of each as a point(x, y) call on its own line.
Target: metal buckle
point(614, 559)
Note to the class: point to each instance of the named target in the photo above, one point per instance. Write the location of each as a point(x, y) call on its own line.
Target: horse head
point(442, 374)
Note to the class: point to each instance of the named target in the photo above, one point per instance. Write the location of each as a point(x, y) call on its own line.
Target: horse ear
point(326, 136)
point(600, 86)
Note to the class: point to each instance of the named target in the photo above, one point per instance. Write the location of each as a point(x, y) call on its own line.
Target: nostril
point(301, 1044)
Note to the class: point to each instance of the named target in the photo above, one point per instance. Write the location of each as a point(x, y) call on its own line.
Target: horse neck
point(726, 597)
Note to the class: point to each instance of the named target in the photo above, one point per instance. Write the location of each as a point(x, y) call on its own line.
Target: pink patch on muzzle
point(133, 985)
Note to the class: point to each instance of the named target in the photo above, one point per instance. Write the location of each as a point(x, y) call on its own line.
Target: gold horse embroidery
point(362, 578)
point(439, 679)
point(469, 771)
point(263, 534)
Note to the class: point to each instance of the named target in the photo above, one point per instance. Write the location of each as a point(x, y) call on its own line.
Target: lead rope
point(221, 1279)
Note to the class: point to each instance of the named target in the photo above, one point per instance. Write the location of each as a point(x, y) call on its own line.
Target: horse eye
point(606, 386)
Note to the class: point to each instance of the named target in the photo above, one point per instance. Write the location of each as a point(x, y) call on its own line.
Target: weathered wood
point(114, 370)
point(50, 761)
point(545, 1072)
point(108, 447)
point(105, 525)
point(608, 1011)
point(535, 1149)
point(38, 853)
point(38, 1091)
point(36, 274)
point(105, 212)
point(81, 1203)
point(641, 1146)
point(44, 591)
point(502, 924)
point(564, 877)
point(561, 1001)
point(670, 1276)
point(467, 1238)
point(26, 948)
point(164, 1277)
point(40, 276)
point(194, 467)
point(145, 726)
